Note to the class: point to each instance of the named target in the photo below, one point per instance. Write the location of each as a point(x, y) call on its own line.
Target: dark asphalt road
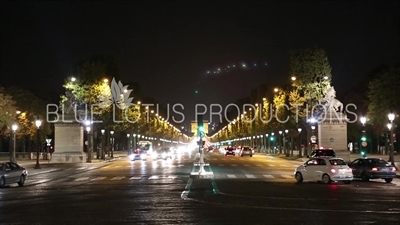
point(257, 190)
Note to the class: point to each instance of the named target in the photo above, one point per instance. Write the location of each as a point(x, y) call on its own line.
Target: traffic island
point(201, 171)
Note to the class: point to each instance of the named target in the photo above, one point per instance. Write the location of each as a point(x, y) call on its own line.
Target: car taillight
point(393, 169)
point(374, 169)
point(333, 170)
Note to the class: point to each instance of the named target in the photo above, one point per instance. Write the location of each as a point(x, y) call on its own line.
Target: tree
point(8, 110)
point(383, 92)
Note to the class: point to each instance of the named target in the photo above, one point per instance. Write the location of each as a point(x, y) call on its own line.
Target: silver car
point(246, 151)
point(12, 173)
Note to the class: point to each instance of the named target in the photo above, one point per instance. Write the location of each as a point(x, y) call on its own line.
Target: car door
point(308, 169)
point(355, 167)
point(319, 169)
point(15, 171)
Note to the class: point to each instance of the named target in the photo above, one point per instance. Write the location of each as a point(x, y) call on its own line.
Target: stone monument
point(68, 134)
point(332, 126)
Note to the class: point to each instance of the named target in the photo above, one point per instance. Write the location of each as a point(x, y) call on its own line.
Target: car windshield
point(246, 148)
point(230, 148)
point(144, 146)
point(377, 162)
point(325, 152)
point(337, 162)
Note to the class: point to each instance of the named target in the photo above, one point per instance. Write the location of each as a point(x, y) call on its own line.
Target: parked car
point(325, 170)
point(11, 172)
point(245, 150)
point(373, 168)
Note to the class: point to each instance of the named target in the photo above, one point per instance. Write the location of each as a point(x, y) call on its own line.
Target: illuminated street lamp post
point(14, 128)
point(391, 156)
point(112, 143)
point(102, 154)
point(89, 147)
point(299, 140)
point(285, 138)
point(363, 120)
point(280, 141)
point(38, 123)
point(134, 141)
point(129, 143)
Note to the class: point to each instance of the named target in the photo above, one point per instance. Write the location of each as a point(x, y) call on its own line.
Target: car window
point(321, 162)
point(14, 166)
point(8, 166)
point(312, 162)
point(2, 167)
point(337, 162)
point(362, 163)
point(377, 162)
point(325, 153)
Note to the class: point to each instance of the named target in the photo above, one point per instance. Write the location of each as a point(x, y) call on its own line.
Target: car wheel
point(364, 177)
point(241, 155)
point(347, 182)
point(251, 155)
point(2, 182)
point(326, 179)
point(388, 180)
point(21, 180)
point(299, 177)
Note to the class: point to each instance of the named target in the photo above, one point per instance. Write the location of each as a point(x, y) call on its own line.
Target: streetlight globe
point(128, 135)
point(14, 127)
point(38, 123)
point(88, 129)
point(112, 132)
point(139, 102)
point(276, 89)
point(103, 131)
point(134, 135)
point(299, 130)
point(293, 78)
point(286, 131)
point(389, 126)
point(391, 117)
point(326, 77)
point(363, 120)
point(312, 127)
point(105, 80)
point(280, 132)
point(73, 79)
point(266, 135)
point(272, 134)
point(264, 99)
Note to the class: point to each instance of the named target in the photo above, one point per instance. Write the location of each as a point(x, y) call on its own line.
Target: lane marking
point(250, 176)
point(154, 177)
point(135, 178)
point(99, 178)
point(231, 175)
point(287, 176)
point(82, 179)
point(106, 167)
point(117, 178)
point(172, 177)
point(269, 176)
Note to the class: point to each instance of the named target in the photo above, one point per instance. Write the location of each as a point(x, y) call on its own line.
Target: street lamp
point(102, 155)
point(14, 128)
point(363, 120)
point(299, 140)
point(112, 143)
point(276, 89)
point(391, 117)
point(134, 141)
point(293, 78)
point(89, 147)
point(38, 123)
point(129, 143)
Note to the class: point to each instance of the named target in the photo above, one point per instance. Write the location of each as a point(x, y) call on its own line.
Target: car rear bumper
point(382, 176)
point(341, 177)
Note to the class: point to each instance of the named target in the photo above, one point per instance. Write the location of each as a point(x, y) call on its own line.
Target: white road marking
point(250, 176)
point(99, 178)
point(135, 178)
point(81, 168)
point(172, 177)
point(82, 179)
point(117, 166)
point(153, 177)
point(106, 167)
point(287, 176)
point(269, 176)
point(231, 176)
point(117, 178)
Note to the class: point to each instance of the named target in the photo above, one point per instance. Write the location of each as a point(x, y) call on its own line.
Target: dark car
point(12, 173)
point(230, 151)
point(322, 152)
point(373, 168)
point(246, 151)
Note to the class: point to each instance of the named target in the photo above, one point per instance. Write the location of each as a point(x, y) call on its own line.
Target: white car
point(325, 170)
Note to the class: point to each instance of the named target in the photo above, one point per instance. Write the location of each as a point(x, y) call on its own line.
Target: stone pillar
point(332, 133)
point(68, 143)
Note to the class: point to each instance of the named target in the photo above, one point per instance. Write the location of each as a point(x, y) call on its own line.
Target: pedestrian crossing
point(174, 177)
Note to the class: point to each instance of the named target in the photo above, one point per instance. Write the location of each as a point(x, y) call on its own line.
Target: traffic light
point(363, 153)
point(200, 127)
point(363, 138)
point(272, 138)
point(201, 143)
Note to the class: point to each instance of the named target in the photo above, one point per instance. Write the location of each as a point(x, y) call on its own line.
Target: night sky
point(168, 46)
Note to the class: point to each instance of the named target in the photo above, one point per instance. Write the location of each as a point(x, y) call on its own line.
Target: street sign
point(313, 139)
point(364, 144)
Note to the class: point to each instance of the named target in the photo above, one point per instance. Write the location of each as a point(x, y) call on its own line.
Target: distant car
point(373, 168)
point(12, 173)
point(245, 150)
point(163, 153)
point(325, 170)
point(230, 151)
point(322, 152)
point(138, 155)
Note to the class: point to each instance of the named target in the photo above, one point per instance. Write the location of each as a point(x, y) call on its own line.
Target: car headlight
point(154, 155)
point(143, 156)
point(131, 156)
point(164, 155)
